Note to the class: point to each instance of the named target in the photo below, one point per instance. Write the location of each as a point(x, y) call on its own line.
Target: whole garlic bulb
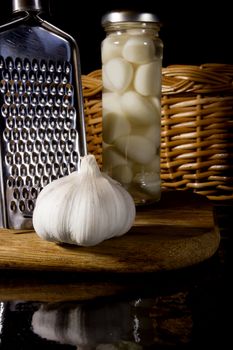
point(83, 208)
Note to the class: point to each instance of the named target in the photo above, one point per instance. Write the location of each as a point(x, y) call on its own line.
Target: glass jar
point(131, 72)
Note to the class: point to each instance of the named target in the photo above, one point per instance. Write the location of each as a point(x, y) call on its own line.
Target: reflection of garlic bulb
point(83, 208)
point(84, 325)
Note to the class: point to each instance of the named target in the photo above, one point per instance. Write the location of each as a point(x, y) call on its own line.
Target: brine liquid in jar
point(131, 101)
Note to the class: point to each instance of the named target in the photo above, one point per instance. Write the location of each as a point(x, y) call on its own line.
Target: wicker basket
point(197, 127)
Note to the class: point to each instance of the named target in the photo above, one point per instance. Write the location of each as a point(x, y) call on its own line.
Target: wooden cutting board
point(177, 232)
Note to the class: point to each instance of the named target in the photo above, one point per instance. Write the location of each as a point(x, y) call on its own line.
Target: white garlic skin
point(83, 208)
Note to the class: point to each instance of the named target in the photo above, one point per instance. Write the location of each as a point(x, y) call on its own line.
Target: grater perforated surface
point(39, 137)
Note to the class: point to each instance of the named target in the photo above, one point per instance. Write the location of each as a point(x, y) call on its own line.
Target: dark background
point(193, 32)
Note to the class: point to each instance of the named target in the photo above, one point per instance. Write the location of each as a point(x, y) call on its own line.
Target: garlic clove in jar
point(139, 50)
point(116, 125)
point(146, 80)
point(83, 208)
point(118, 74)
point(136, 148)
point(139, 109)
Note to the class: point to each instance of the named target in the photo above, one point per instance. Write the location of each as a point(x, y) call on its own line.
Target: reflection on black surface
point(98, 325)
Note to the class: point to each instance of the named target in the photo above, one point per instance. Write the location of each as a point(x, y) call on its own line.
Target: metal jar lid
point(128, 16)
point(28, 5)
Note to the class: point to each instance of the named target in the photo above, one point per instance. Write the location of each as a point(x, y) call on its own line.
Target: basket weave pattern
point(197, 127)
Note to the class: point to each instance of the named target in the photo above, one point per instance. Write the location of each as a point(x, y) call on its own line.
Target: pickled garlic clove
point(117, 74)
point(139, 109)
point(147, 81)
point(112, 47)
point(139, 50)
point(115, 125)
point(136, 148)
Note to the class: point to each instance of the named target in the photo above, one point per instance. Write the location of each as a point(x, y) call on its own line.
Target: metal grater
point(42, 133)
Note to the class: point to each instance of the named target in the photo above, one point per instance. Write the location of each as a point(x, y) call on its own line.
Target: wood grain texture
point(174, 233)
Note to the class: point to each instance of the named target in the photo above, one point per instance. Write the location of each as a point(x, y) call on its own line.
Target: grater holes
point(64, 78)
point(71, 112)
point(36, 122)
point(75, 157)
point(69, 91)
point(10, 122)
point(43, 157)
point(25, 99)
point(9, 158)
point(67, 68)
point(59, 157)
point(70, 146)
point(5, 110)
point(16, 194)
point(29, 88)
point(18, 64)
point(30, 205)
point(46, 146)
point(37, 88)
point(60, 123)
point(20, 87)
point(45, 180)
point(67, 157)
point(3, 86)
point(32, 170)
point(40, 169)
point(61, 89)
point(53, 177)
point(29, 146)
point(17, 99)
point(35, 100)
point(13, 206)
point(51, 66)
point(27, 64)
point(21, 146)
point(33, 193)
point(7, 135)
point(54, 146)
point(32, 76)
point(24, 76)
point(56, 112)
point(6, 74)
point(51, 157)
point(65, 135)
point(40, 77)
point(35, 65)
point(58, 134)
point(22, 110)
point(45, 89)
point(53, 89)
point(26, 158)
point(43, 66)
point(56, 78)
point(42, 101)
point(28, 122)
point(52, 122)
point(41, 134)
point(16, 134)
point(8, 98)
point(12, 146)
point(12, 86)
point(35, 157)
point(44, 122)
point(25, 193)
point(37, 181)
point(14, 170)
point(48, 169)
point(49, 134)
point(17, 158)
point(65, 169)
point(64, 113)
point(48, 77)
point(13, 110)
point(62, 146)
point(56, 169)
point(19, 182)
point(28, 181)
point(38, 146)
point(47, 111)
point(72, 167)
point(24, 134)
point(68, 123)
point(22, 206)
point(9, 63)
point(2, 62)
point(15, 75)
point(23, 170)
point(19, 122)
point(33, 134)
point(58, 101)
point(11, 182)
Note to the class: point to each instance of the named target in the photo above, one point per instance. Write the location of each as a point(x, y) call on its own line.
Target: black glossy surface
point(184, 309)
